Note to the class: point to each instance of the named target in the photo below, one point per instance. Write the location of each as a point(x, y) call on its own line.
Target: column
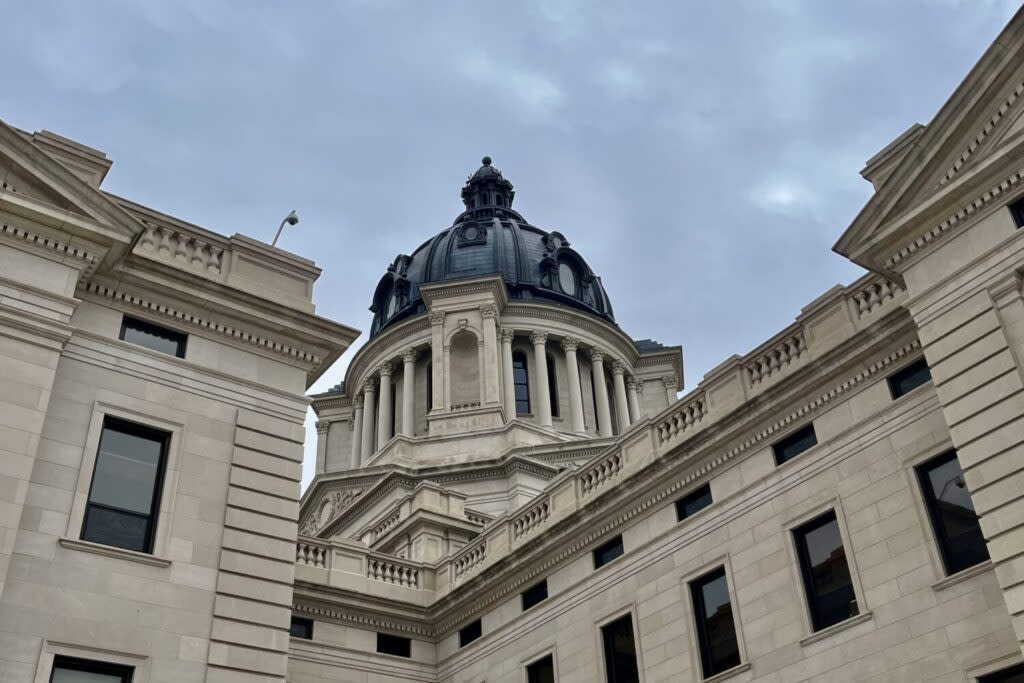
point(437, 360)
point(384, 406)
point(633, 390)
point(369, 396)
point(619, 384)
point(357, 430)
point(321, 444)
point(540, 362)
point(409, 392)
point(570, 345)
point(506, 369)
point(491, 393)
point(604, 413)
point(670, 388)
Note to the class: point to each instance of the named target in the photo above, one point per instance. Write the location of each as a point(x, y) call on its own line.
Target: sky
point(702, 156)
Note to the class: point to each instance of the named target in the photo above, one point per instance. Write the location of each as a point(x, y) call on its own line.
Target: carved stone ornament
point(329, 507)
point(322, 426)
point(410, 355)
point(357, 401)
point(437, 317)
point(635, 385)
point(618, 367)
point(597, 355)
point(370, 384)
point(570, 345)
point(538, 338)
point(385, 369)
point(670, 381)
point(472, 233)
point(489, 311)
point(507, 335)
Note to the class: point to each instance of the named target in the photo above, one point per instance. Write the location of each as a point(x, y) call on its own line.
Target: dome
point(490, 238)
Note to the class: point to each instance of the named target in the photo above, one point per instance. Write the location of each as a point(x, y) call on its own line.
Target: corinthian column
point(619, 383)
point(540, 362)
point(357, 430)
point(409, 392)
point(384, 406)
point(506, 371)
point(489, 316)
point(604, 413)
point(632, 389)
point(670, 388)
point(570, 345)
point(369, 397)
point(437, 360)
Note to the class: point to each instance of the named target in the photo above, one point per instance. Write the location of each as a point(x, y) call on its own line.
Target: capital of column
point(597, 355)
point(538, 338)
point(489, 310)
point(357, 401)
point(618, 367)
point(321, 426)
point(507, 335)
point(570, 344)
point(410, 355)
point(670, 381)
point(437, 317)
point(370, 385)
point(385, 369)
point(633, 384)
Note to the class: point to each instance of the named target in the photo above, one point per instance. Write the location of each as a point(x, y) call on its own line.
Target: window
point(954, 521)
point(693, 502)
point(535, 594)
point(567, 278)
point(394, 404)
point(74, 670)
point(125, 492)
point(620, 651)
point(470, 632)
point(153, 337)
point(795, 444)
point(521, 382)
point(398, 646)
point(1013, 674)
point(907, 379)
point(430, 387)
point(593, 397)
point(1017, 211)
point(609, 551)
point(541, 671)
point(826, 575)
point(552, 385)
point(716, 630)
point(301, 628)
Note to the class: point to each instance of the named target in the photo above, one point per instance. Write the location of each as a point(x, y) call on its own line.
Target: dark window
point(593, 397)
point(301, 628)
point(394, 405)
point(521, 382)
point(826, 575)
point(497, 199)
point(1013, 674)
point(552, 385)
point(620, 651)
point(795, 444)
point(609, 551)
point(398, 646)
point(535, 594)
point(716, 630)
point(907, 379)
point(125, 492)
point(153, 336)
point(954, 521)
point(74, 670)
point(430, 387)
point(693, 502)
point(541, 671)
point(1017, 211)
point(470, 632)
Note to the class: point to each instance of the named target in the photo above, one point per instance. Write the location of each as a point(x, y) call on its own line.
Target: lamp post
point(291, 219)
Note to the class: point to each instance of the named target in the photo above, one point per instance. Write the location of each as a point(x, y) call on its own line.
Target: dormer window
point(567, 278)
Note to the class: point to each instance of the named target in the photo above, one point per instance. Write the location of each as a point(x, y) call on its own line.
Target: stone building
point(508, 486)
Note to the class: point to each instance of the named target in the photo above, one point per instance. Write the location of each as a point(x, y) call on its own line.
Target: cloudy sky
point(703, 156)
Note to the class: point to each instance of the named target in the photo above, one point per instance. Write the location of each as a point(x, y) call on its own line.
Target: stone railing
point(469, 558)
point(478, 517)
point(530, 520)
point(776, 358)
point(596, 476)
point(386, 524)
point(391, 571)
point(311, 553)
point(686, 414)
point(182, 247)
point(874, 295)
point(465, 406)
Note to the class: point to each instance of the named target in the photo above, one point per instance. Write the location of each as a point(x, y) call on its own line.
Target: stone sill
point(962, 575)
point(729, 673)
point(111, 551)
point(836, 628)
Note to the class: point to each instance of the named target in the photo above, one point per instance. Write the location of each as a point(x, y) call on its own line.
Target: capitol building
point(510, 487)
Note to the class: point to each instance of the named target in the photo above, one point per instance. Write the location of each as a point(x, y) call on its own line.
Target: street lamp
point(291, 219)
point(955, 479)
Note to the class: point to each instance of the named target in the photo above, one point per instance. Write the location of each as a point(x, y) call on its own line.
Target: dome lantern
point(487, 188)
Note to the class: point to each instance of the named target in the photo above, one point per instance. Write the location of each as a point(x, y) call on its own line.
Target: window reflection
point(825, 572)
point(954, 521)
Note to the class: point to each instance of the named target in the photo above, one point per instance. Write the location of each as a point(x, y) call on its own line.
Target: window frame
point(991, 672)
point(141, 325)
point(608, 544)
point(691, 495)
point(700, 624)
point(613, 618)
point(522, 596)
point(82, 665)
point(471, 632)
point(518, 354)
point(549, 656)
point(552, 368)
point(304, 621)
point(394, 640)
point(1016, 208)
point(907, 369)
point(803, 562)
point(791, 437)
point(928, 500)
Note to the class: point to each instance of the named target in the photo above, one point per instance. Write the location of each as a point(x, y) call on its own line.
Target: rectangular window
point(153, 337)
point(1013, 674)
point(398, 646)
point(907, 379)
point(951, 510)
point(535, 594)
point(693, 502)
point(620, 651)
point(521, 382)
point(609, 551)
point(124, 496)
point(470, 632)
point(826, 575)
point(795, 444)
point(541, 671)
point(301, 628)
point(716, 630)
point(74, 670)
point(1017, 211)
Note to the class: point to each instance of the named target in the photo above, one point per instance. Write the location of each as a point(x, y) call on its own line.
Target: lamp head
point(292, 218)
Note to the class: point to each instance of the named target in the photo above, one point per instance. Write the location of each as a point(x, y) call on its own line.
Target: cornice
point(89, 261)
point(980, 137)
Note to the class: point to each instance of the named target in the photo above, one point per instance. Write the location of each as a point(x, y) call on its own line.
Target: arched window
point(552, 385)
point(521, 382)
point(392, 305)
point(567, 278)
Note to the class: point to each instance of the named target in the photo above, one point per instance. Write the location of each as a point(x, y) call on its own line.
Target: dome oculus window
point(567, 278)
point(392, 305)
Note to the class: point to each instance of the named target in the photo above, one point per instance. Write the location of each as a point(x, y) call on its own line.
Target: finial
point(486, 161)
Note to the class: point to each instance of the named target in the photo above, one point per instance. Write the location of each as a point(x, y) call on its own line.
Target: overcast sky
point(703, 157)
